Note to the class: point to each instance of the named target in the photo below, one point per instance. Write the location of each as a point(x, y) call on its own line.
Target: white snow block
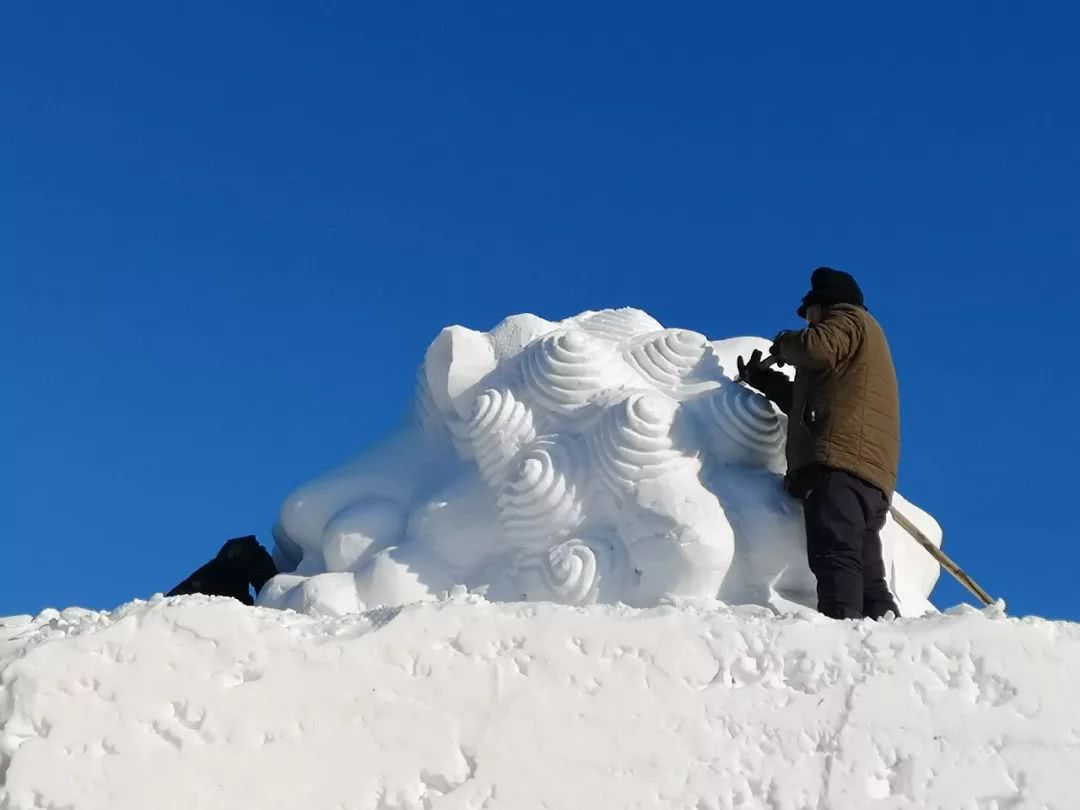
point(599, 459)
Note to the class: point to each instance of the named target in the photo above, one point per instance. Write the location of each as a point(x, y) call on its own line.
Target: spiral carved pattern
point(458, 430)
point(568, 370)
point(540, 498)
point(747, 419)
point(620, 325)
point(634, 441)
point(671, 358)
point(574, 570)
point(499, 428)
point(435, 421)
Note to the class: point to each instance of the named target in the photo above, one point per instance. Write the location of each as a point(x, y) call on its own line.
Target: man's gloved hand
point(775, 350)
point(752, 371)
point(756, 373)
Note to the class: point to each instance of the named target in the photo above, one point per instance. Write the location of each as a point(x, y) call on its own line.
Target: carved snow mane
point(600, 458)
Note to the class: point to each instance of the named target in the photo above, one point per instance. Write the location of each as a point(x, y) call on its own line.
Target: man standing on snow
point(843, 442)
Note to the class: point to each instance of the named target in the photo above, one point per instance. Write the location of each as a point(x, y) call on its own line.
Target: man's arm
point(777, 387)
point(819, 346)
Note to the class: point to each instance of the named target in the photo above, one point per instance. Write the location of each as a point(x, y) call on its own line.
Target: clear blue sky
point(228, 232)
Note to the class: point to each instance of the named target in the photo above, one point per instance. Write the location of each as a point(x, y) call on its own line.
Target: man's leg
point(835, 530)
point(877, 600)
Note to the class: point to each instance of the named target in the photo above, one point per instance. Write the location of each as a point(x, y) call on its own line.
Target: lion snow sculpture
point(602, 458)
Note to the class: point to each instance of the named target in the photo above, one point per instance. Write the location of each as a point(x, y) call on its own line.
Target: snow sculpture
point(603, 458)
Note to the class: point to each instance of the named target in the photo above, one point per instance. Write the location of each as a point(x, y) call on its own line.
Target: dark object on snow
point(241, 564)
point(844, 517)
point(829, 287)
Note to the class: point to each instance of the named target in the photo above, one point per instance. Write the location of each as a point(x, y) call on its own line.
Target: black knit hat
point(828, 287)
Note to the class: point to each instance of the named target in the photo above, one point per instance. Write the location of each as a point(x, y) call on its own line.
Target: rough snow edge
point(198, 702)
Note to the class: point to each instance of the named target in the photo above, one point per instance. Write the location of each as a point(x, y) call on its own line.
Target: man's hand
point(776, 351)
point(753, 371)
point(773, 384)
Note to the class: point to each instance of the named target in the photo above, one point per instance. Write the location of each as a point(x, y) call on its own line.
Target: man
point(843, 443)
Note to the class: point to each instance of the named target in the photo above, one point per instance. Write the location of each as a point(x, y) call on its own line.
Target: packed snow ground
point(201, 703)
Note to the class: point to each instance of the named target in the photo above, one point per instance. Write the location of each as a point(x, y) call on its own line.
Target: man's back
point(846, 409)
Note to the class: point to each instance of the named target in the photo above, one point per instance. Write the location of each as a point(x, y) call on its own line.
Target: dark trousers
point(844, 516)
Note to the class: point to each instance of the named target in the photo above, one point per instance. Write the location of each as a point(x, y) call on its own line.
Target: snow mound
point(602, 458)
point(462, 703)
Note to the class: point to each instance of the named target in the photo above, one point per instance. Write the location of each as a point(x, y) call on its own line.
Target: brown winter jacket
point(845, 407)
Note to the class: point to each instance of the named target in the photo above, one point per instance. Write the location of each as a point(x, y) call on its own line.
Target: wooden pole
point(944, 559)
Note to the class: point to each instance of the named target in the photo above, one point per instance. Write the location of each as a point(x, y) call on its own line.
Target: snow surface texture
point(196, 702)
point(603, 458)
